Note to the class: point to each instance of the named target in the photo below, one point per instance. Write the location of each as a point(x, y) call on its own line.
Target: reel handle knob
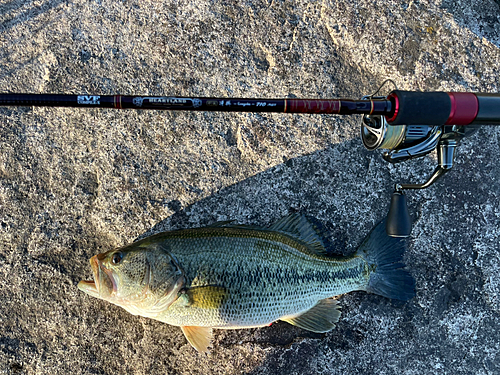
point(398, 222)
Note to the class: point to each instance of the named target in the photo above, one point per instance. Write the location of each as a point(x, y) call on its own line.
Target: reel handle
point(398, 222)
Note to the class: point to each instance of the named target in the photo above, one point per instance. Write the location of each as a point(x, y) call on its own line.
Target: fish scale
point(232, 276)
point(284, 277)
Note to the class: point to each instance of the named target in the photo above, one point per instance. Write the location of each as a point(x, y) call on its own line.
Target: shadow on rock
point(342, 200)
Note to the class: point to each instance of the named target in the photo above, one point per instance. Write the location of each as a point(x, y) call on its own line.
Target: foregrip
point(444, 108)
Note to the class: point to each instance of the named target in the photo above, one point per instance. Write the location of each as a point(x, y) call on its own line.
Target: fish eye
point(117, 258)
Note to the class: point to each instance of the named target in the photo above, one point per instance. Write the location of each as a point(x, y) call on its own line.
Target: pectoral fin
point(199, 337)
point(321, 318)
point(207, 297)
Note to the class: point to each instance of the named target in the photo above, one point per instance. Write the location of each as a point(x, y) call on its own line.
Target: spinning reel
point(401, 142)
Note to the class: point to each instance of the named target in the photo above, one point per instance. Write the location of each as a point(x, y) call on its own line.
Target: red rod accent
point(396, 107)
point(464, 108)
point(117, 100)
point(312, 106)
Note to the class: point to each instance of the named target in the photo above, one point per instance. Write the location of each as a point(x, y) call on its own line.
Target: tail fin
point(384, 255)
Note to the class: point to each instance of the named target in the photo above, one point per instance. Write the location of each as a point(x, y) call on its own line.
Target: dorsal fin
point(221, 224)
point(297, 225)
point(300, 227)
point(232, 224)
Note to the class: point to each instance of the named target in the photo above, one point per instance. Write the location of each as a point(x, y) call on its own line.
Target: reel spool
point(399, 142)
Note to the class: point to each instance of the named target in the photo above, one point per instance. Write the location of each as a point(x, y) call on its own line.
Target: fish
point(230, 276)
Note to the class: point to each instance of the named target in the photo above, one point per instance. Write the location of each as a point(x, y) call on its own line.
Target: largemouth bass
point(232, 276)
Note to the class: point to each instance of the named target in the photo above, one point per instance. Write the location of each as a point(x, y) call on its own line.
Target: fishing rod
point(404, 124)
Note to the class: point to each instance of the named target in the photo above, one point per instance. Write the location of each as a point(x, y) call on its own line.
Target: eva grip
point(420, 108)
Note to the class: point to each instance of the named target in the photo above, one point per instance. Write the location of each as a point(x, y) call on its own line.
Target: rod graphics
point(324, 106)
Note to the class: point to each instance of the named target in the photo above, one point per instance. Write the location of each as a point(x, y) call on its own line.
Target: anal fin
point(321, 318)
point(198, 337)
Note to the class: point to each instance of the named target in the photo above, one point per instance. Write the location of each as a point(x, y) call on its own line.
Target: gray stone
point(76, 182)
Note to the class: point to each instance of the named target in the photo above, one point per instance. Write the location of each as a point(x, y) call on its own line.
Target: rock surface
point(76, 182)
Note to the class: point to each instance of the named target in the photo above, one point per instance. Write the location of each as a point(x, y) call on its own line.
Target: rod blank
point(321, 106)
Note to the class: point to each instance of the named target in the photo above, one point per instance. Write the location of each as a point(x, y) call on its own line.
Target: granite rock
point(76, 182)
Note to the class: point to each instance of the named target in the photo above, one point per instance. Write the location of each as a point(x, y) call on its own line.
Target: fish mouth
point(103, 285)
point(88, 287)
